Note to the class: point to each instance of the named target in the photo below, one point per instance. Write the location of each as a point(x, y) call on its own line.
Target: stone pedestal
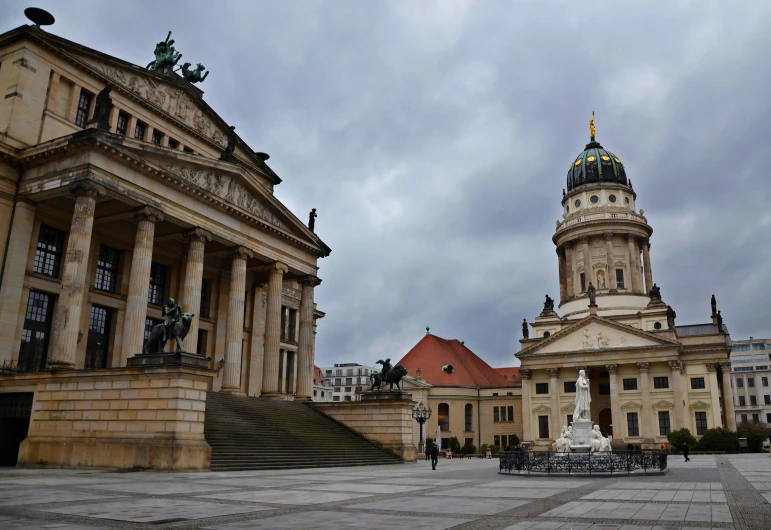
point(582, 436)
point(169, 359)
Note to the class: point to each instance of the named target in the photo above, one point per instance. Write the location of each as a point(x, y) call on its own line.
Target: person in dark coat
point(434, 456)
point(685, 451)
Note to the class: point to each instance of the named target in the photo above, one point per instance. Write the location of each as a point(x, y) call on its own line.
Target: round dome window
point(657, 325)
point(546, 334)
point(594, 199)
point(578, 203)
point(612, 198)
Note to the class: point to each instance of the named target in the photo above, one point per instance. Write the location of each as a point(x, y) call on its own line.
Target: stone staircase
point(247, 433)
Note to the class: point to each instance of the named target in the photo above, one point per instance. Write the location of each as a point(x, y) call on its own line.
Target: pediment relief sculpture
point(631, 405)
point(227, 188)
point(663, 404)
point(541, 408)
point(699, 405)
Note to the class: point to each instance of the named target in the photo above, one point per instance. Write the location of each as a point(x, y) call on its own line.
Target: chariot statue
point(165, 55)
point(194, 76)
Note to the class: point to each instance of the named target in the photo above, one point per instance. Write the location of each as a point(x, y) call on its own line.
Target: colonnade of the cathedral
point(67, 316)
point(575, 257)
point(557, 409)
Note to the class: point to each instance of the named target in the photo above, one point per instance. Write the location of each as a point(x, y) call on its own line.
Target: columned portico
point(677, 389)
point(270, 380)
point(231, 379)
point(609, 261)
point(645, 391)
point(554, 392)
point(715, 405)
point(569, 270)
point(588, 270)
point(190, 300)
point(646, 245)
point(615, 405)
point(728, 401)
point(304, 364)
point(527, 405)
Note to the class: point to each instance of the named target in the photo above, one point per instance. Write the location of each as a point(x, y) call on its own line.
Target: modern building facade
point(648, 374)
point(348, 380)
point(750, 375)
point(321, 391)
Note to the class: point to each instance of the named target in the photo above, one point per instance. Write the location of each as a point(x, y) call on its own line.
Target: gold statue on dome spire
point(592, 128)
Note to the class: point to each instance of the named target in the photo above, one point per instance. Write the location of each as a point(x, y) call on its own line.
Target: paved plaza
point(708, 492)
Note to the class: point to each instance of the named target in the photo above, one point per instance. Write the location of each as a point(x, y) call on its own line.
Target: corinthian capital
point(612, 368)
point(608, 236)
point(643, 367)
point(553, 372)
point(525, 373)
point(198, 234)
point(87, 188)
point(676, 366)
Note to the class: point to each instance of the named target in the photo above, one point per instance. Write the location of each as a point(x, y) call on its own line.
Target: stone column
point(615, 405)
point(570, 290)
point(273, 329)
point(66, 321)
point(234, 330)
point(634, 280)
point(305, 343)
point(714, 392)
point(728, 397)
point(527, 406)
point(647, 409)
point(554, 392)
point(136, 301)
point(678, 422)
point(611, 267)
point(647, 265)
point(283, 360)
point(190, 301)
point(257, 342)
point(561, 272)
point(588, 271)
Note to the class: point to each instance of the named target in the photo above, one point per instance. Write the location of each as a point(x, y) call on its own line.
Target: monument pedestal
point(582, 436)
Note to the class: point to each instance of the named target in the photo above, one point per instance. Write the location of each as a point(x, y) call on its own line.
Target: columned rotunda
point(648, 375)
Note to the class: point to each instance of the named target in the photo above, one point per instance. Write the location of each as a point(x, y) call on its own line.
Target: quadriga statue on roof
point(194, 76)
point(165, 55)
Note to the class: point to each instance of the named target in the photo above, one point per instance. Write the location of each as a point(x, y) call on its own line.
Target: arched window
point(469, 416)
point(444, 417)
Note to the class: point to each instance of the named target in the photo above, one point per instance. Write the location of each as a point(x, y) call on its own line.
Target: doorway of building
point(15, 410)
point(606, 422)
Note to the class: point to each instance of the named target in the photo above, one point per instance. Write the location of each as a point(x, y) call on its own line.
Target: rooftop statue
point(227, 153)
point(165, 55)
point(592, 292)
point(713, 301)
point(548, 304)
point(655, 293)
point(312, 220)
point(102, 109)
point(525, 331)
point(194, 76)
point(592, 128)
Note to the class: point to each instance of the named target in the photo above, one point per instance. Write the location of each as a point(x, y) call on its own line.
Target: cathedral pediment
point(596, 333)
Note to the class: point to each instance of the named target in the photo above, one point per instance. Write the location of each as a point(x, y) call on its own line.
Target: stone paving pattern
point(708, 492)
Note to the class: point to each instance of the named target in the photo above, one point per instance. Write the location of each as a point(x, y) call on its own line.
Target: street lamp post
point(421, 414)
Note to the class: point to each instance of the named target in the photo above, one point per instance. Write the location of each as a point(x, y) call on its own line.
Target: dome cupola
point(595, 164)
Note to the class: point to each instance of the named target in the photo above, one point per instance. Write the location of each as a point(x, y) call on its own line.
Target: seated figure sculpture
point(562, 444)
point(599, 442)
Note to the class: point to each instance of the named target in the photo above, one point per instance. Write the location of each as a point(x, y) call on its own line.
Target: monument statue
point(719, 322)
point(592, 292)
point(655, 293)
point(599, 442)
point(102, 109)
point(562, 444)
point(569, 434)
point(525, 330)
point(173, 313)
point(583, 397)
point(194, 76)
point(393, 376)
point(227, 154)
point(671, 316)
point(592, 128)
point(713, 301)
point(178, 331)
point(165, 55)
point(548, 305)
point(312, 220)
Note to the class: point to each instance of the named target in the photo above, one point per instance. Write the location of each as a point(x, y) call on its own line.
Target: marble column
point(634, 278)
point(647, 410)
point(615, 404)
point(190, 302)
point(554, 392)
point(570, 290)
point(257, 342)
point(273, 329)
point(588, 271)
point(714, 392)
point(282, 375)
point(66, 321)
point(609, 260)
point(305, 342)
point(136, 301)
point(678, 422)
point(728, 397)
point(527, 407)
point(561, 272)
point(647, 265)
point(234, 328)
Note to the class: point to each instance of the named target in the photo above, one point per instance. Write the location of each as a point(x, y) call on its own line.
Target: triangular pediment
point(542, 408)
point(663, 404)
point(631, 405)
point(596, 333)
point(700, 405)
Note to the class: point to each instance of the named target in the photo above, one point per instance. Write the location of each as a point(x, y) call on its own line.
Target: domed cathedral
point(648, 375)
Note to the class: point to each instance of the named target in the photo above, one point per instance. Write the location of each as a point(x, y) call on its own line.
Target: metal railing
point(647, 460)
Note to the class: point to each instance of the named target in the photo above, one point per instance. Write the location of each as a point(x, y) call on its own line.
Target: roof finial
point(427, 330)
point(592, 128)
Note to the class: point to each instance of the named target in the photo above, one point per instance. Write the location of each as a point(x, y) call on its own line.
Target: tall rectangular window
point(630, 384)
point(205, 298)
point(84, 104)
point(497, 440)
point(140, 130)
point(582, 277)
point(48, 254)
point(768, 417)
point(542, 388)
point(496, 414)
point(122, 125)
point(604, 389)
point(98, 337)
point(469, 416)
point(570, 387)
point(664, 426)
point(173, 144)
point(753, 400)
point(764, 381)
point(744, 418)
point(620, 278)
point(157, 289)
point(632, 425)
point(510, 413)
point(701, 423)
point(444, 417)
point(293, 326)
point(149, 323)
point(740, 382)
point(742, 401)
point(203, 338)
point(543, 427)
point(661, 382)
point(156, 137)
point(697, 383)
point(755, 418)
point(767, 399)
point(750, 382)
point(106, 269)
point(33, 352)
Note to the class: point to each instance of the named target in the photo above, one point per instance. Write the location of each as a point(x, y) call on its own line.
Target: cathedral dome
point(595, 164)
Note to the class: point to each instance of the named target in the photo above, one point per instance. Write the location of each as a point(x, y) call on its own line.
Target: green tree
point(719, 439)
point(755, 436)
point(676, 439)
point(483, 448)
point(454, 444)
point(513, 441)
point(468, 449)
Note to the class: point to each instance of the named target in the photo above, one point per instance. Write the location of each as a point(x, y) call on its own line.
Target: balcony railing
point(647, 460)
point(599, 216)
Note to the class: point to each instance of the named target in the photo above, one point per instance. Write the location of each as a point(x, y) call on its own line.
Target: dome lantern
point(595, 164)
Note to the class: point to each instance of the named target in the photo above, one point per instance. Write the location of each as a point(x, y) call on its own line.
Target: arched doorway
point(606, 422)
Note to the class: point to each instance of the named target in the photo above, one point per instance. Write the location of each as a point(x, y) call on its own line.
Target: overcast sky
point(434, 137)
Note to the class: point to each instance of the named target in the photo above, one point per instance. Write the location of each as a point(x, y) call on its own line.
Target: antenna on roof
point(40, 17)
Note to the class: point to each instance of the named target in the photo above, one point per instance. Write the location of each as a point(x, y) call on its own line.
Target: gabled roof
point(432, 353)
point(510, 374)
point(318, 375)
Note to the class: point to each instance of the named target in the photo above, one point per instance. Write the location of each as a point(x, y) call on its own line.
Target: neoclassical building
point(107, 221)
point(648, 374)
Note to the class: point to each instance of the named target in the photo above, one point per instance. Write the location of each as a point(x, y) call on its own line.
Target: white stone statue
point(569, 435)
point(562, 445)
point(583, 397)
point(599, 442)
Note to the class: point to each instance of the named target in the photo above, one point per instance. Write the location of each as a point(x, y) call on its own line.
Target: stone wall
point(125, 418)
point(385, 419)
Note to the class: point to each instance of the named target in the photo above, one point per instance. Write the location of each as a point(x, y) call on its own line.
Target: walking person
point(434, 456)
point(685, 451)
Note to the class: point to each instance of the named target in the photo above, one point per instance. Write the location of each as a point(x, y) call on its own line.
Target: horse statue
point(165, 55)
point(194, 75)
point(392, 377)
point(177, 331)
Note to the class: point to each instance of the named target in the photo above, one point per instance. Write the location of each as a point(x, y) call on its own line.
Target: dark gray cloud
point(434, 138)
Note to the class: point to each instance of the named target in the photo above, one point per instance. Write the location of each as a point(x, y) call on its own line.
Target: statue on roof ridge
point(194, 76)
point(165, 55)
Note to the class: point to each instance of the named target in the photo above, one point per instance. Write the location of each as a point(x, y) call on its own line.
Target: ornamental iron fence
point(650, 460)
